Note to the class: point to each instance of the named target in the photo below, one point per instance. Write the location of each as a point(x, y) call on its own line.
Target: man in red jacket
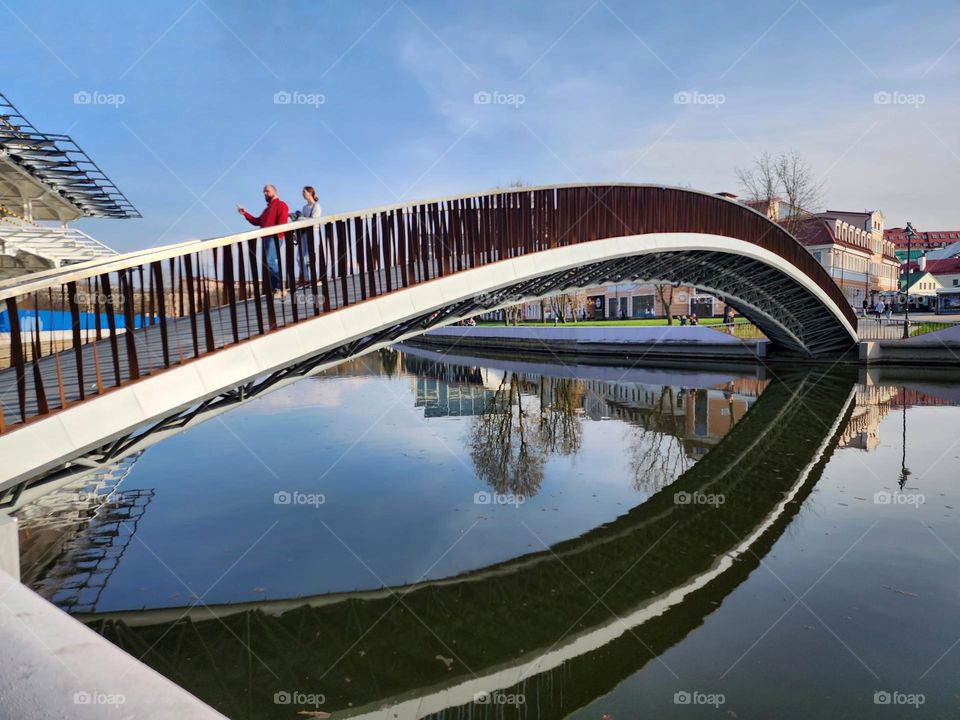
point(276, 213)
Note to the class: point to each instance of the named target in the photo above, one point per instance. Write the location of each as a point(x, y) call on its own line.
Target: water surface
point(409, 530)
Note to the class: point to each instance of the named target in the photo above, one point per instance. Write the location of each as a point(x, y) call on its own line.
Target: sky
point(191, 106)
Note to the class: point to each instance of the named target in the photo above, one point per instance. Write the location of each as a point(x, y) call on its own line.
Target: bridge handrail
point(43, 279)
point(33, 282)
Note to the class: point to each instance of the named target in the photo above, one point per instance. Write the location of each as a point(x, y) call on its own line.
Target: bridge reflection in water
point(562, 626)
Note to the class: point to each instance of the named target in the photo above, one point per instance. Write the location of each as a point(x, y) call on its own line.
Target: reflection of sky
point(892, 598)
point(399, 495)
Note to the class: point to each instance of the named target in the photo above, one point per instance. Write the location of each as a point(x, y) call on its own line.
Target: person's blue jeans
point(273, 261)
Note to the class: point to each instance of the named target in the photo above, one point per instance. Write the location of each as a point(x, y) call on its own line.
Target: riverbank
point(607, 344)
point(684, 345)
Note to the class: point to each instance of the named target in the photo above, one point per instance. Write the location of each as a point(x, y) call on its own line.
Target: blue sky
point(579, 90)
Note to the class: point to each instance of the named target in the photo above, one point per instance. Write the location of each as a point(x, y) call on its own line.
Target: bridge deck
point(150, 348)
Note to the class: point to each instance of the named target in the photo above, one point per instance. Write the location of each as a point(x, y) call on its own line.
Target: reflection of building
point(710, 415)
point(440, 398)
point(73, 538)
point(699, 417)
point(874, 402)
point(80, 575)
point(447, 390)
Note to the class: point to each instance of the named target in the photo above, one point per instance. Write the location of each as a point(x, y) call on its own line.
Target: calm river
point(417, 535)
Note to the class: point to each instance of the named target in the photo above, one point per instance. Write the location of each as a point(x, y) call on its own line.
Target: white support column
point(9, 546)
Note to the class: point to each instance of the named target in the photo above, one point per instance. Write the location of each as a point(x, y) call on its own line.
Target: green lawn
point(924, 327)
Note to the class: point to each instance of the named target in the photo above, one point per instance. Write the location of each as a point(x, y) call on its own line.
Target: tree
point(565, 305)
point(513, 314)
point(573, 303)
point(785, 186)
point(665, 293)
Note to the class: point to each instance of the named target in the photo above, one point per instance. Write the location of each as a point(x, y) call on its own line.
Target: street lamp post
point(911, 234)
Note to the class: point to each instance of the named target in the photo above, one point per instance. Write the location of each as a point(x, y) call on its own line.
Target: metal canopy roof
point(53, 173)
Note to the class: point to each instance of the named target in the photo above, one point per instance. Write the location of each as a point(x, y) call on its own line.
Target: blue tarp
point(45, 320)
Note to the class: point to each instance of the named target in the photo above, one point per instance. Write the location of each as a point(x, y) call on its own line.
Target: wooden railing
point(70, 338)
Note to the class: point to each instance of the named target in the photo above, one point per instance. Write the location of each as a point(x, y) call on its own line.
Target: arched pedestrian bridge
point(99, 348)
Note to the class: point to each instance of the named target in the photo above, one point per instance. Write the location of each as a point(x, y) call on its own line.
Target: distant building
point(947, 271)
point(776, 208)
point(919, 283)
point(852, 248)
point(923, 242)
point(627, 301)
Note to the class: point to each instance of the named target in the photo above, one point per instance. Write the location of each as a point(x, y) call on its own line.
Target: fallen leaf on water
point(900, 592)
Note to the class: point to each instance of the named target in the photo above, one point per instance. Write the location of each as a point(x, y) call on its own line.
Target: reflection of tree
point(656, 452)
point(508, 452)
point(561, 425)
point(502, 445)
point(389, 359)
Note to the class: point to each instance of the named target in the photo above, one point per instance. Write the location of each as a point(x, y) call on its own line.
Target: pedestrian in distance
point(276, 213)
point(879, 309)
point(728, 321)
point(694, 320)
point(683, 320)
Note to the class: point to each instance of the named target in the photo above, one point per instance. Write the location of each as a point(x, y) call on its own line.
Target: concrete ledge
point(629, 334)
point(56, 667)
point(906, 352)
point(629, 343)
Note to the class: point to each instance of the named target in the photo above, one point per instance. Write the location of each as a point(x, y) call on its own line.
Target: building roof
point(859, 220)
point(924, 238)
point(836, 213)
point(948, 266)
point(949, 251)
point(816, 231)
point(59, 177)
